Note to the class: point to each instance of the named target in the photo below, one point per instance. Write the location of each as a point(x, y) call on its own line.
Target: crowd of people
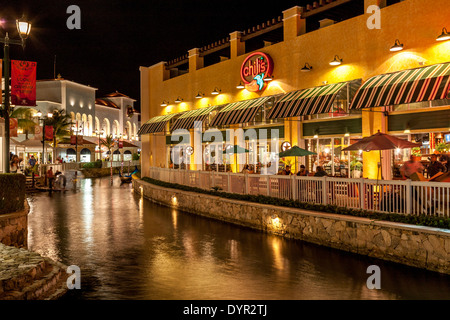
point(413, 166)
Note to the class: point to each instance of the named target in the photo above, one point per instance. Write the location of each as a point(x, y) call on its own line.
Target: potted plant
point(442, 147)
point(356, 167)
point(416, 153)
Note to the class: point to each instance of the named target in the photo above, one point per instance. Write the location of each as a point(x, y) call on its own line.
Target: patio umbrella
point(295, 152)
point(381, 141)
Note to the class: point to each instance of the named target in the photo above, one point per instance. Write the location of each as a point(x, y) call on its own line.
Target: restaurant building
point(319, 77)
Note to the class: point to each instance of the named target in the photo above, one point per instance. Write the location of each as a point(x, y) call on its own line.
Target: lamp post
point(76, 128)
point(24, 30)
point(43, 119)
point(99, 133)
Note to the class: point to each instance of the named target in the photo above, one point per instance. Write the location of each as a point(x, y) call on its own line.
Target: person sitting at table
point(302, 171)
point(320, 172)
point(435, 167)
point(246, 169)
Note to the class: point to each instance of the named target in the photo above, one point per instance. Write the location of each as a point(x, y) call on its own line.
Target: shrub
point(12, 192)
point(431, 221)
point(92, 165)
point(135, 157)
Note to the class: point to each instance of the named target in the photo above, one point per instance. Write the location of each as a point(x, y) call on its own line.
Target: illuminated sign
point(285, 146)
point(256, 69)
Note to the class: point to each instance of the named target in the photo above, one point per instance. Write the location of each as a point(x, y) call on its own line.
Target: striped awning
point(308, 101)
point(155, 124)
point(407, 86)
point(188, 119)
point(238, 112)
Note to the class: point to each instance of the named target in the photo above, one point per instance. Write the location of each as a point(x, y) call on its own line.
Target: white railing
point(389, 196)
point(131, 163)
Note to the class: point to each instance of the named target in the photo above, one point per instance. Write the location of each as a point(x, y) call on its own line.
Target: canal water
point(129, 248)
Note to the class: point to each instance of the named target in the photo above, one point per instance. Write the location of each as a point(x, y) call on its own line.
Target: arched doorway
point(71, 155)
point(85, 155)
point(116, 155)
point(127, 156)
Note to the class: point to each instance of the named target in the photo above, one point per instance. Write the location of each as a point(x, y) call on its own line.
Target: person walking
point(435, 167)
point(410, 167)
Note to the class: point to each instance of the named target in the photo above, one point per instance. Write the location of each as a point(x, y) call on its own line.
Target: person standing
point(14, 164)
point(32, 161)
point(50, 177)
point(435, 167)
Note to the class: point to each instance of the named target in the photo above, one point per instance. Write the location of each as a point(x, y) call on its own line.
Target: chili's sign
point(256, 70)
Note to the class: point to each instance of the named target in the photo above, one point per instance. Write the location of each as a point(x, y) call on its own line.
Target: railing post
point(408, 196)
point(293, 187)
point(361, 194)
point(268, 185)
point(324, 191)
point(229, 183)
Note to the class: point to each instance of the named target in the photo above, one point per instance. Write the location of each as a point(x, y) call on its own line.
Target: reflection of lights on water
point(142, 190)
point(174, 200)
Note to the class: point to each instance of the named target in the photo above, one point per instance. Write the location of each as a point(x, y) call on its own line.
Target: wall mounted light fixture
point(336, 61)
point(268, 78)
point(216, 91)
point(178, 100)
point(240, 85)
point(199, 95)
point(397, 46)
point(444, 36)
point(164, 103)
point(306, 68)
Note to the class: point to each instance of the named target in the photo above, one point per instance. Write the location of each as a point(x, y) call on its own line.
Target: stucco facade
point(364, 52)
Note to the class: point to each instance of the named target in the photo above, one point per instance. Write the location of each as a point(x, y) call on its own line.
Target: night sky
point(118, 36)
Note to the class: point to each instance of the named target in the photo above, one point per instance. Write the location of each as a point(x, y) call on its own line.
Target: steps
point(26, 275)
point(29, 184)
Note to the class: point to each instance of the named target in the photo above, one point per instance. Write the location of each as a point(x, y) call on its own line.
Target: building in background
point(113, 114)
point(320, 57)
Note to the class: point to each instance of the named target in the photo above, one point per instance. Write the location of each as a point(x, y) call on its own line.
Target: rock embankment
point(26, 275)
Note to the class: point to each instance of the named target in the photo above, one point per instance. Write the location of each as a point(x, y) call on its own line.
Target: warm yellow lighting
point(23, 28)
point(164, 103)
point(178, 100)
point(199, 95)
point(397, 46)
point(39, 114)
point(50, 115)
point(336, 61)
point(347, 134)
point(444, 36)
point(268, 78)
point(327, 150)
point(316, 136)
point(174, 200)
point(407, 131)
point(216, 91)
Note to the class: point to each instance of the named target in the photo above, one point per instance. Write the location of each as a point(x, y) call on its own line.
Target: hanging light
point(268, 78)
point(397, 46)
point(164, 103)
point(216, 91)
point(306, 68)
point(240, 85)
point(336, 61)
point(178, 100)
point(444, 36)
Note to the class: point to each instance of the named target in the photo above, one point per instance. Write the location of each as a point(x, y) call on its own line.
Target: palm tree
point(24, 118)
point(61, 123)
point(109, 144)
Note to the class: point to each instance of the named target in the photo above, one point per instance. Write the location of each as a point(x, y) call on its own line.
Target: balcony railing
point(396, 196)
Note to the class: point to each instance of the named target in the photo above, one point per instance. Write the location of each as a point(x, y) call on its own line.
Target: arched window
point(85, 155)
point(106, 127)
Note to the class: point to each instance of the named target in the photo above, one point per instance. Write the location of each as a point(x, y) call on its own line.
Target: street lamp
point(23, 28)
point(77, 129)
point(99, 133)
point(43, 119)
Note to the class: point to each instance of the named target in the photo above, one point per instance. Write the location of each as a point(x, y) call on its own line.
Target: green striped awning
point(155, 124)
point(407, 86)
point(307, 101)
point(188, 119)
point(238, 112)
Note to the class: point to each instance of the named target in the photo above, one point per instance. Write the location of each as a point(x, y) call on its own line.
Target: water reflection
point(130, 248)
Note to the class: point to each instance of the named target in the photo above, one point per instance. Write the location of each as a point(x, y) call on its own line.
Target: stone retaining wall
point(14, 228)
point(417, 246)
